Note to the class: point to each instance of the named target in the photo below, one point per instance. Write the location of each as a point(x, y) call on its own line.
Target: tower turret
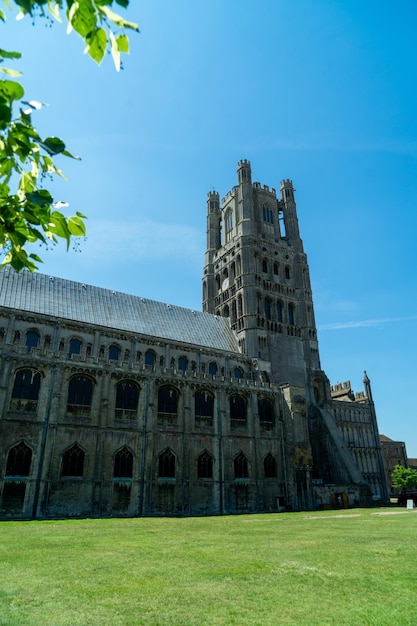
point(213, 220)
point(289, 210)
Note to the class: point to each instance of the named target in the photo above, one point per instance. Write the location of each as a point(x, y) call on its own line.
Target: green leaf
point(96, 45)
point(10, 72)
point(123, 43)
point(5, 116)
point(76, 227)
point(71, 156)
point(10, 55)
point(82, 17)
point(11, 90)
point(41, 197)
point(52, 145)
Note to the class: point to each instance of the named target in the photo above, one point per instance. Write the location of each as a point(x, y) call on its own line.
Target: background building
point(112, 404)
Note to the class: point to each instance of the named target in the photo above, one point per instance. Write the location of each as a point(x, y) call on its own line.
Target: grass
point(352, 567)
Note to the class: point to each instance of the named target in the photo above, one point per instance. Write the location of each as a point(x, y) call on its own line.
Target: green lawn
point(332, 567)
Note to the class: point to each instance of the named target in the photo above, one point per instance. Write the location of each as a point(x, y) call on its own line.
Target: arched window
point(32, 339)
point(241, 466)
point(228, 225)
point(127, 397)
point(166, 464)
point(167, 405)
point(149, 358)
point(237, 411)
point(123, 464)
point(287, 272)
point(25, 390)
point(19, 460)
point(73, 462)
point(279, 311)
point(264, 266)
point(182, 364)
point(204, 404)
point(114, 353)
point(212, 368)
point(238, 373)
point(80, 392)
point(226, 311)
point(267, 308)
point(74, 347)
point(291, 317)
point(205, 465)
point(270, 466)
point(276, 269)
point(266, 413)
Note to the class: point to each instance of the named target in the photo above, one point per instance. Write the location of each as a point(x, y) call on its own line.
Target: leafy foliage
point(404, 477)
point(28, 212)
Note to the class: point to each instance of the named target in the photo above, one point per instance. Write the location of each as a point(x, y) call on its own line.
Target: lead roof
point(66, 299)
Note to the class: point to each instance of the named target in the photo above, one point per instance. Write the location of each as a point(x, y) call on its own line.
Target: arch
point(287, 272)
point(264, 266)
point(32, 339)
point(237, 406)
point(167, 404)
point(238, 373)
point(291, 314)
point(150, 358)
point(123, 463)
point(74, 347)
point(270, 466)
point(266, 412)
point(182, 364)
point(127, 398)
point(25, 392)
point(212, 368)
point(203, 408)
point(276, 269)
point(73, 462)
point(19, 460)
point(205, 465)
point(267, 308)
point(226, 312)
point(80, 393)
point(166, 464)
point(238, 265)
point(241, 467)
point(114, 352)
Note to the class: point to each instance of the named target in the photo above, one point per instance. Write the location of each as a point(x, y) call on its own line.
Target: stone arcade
point(112, 404)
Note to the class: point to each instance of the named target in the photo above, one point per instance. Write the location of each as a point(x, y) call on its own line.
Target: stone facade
point(116, 405)
point(393, 453)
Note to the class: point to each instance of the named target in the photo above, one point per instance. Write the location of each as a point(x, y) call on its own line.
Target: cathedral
point(117, 405)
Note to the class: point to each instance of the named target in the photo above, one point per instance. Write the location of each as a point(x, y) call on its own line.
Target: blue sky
point(319, 91)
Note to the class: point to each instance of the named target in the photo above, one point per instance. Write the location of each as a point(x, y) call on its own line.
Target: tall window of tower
point(281, 222)
point(291, 317)
point(267, 214)
point(279, 311)
point(287, 272)
point(267, 308)
point(276, 269)
point(264, 266)
point(228, 225)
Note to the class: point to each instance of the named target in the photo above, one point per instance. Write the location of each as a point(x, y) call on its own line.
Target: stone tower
point(256, 273)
